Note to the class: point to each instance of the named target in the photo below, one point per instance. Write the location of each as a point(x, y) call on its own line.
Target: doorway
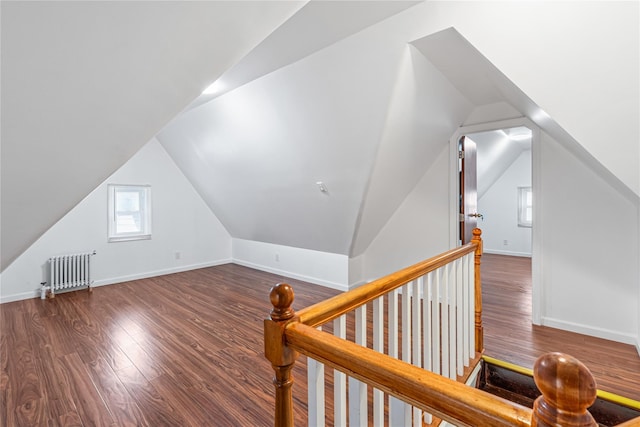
point(505, 172)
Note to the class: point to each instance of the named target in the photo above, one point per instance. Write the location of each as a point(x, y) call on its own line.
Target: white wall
point(181, 222)
point(589, 245)
point(499, 206)
point(424, 111)
point(86, 84)
point(590, 250)
point(591, 90)
point(322, 268)
point(418, 229)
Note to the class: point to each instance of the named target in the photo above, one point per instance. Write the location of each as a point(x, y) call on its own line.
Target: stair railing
point(567, 387)
point(434, 321)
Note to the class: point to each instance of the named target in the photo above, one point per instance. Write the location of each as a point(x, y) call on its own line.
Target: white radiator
point(67, 272)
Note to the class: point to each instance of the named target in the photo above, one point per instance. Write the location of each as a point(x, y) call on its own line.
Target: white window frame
point(144, 231)
point(523, 206)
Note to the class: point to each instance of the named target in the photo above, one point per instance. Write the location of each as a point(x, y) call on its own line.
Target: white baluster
point(358, 389)
point(427, 302)
point(472, 305)
point(396, 406)
point(436, 326)
point(378, 345)
point(444, 304)
point(416, 337)
point(315, 391)
point(465, 310)
point(340, 379)
point(453, 326)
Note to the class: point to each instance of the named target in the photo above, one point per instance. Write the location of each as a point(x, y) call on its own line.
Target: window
point(525, 207)
point(129, 212)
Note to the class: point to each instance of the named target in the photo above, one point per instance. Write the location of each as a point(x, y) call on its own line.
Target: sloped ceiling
point(86, 84)
point(496, 152)
point(256, 154)
point(364, 116)
point(357, 106)
point(315, 26)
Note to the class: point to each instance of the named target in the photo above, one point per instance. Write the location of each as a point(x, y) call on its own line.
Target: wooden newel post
point(568, 390)
point(279, 354)
point(478, 291)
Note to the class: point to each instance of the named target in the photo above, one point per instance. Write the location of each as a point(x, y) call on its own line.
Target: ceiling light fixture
point(213, 88)
point(519, 133)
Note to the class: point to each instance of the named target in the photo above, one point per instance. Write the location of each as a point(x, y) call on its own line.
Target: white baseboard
point(606, 334)
point(147, 274)
point(112, 280)
point(314, 280)
point(358, 284)
point(509, 253)
point(19, 297)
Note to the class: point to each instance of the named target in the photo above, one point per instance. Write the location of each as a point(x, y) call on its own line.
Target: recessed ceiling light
point(519, 133)
point(214, 87)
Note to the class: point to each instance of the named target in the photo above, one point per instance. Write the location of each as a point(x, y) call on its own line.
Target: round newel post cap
point(476, 232)
point(568, 390)
point(281, 297)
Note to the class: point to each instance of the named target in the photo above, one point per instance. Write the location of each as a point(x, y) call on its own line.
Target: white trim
point(155, 273)
point(288, 274)
point(508, 253)
point(121, 279)
point(21, 296)
point(358, 284)
point(537, 310)
point(606, 334)
point(454, 190)
point(146, 206)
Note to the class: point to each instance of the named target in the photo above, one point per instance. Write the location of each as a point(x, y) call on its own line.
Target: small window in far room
point(129, 212)
point(525, 207)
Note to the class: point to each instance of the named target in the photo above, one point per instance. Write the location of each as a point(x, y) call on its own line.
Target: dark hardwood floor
point(187, 350)
point(510, 336)
point(177, 350)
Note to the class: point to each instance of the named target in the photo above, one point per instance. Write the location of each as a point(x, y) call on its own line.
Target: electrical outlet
point(505, 242)
point(178, 255)
point(277, 257)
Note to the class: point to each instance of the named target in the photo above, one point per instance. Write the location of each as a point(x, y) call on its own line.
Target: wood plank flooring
point(510, 336)
point(187, 350)
point(178, 350)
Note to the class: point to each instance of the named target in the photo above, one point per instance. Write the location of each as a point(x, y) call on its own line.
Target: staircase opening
point(516, 384)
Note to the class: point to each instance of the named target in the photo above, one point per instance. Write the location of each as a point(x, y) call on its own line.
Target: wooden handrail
point(631, 423)
point(332, 308)
point(443, 397)
point(567, 386)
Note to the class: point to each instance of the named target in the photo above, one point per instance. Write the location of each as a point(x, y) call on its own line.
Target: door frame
point(537, 307)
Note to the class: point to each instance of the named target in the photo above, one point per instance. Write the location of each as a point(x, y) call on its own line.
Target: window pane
point(525, 207)
point(127, 201)
point(128, 223)
point(129, 212)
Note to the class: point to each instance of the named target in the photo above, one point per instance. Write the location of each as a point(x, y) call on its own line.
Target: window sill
point(114, 239)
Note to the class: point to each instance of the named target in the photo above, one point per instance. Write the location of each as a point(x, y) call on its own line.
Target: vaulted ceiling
point(358, 95)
